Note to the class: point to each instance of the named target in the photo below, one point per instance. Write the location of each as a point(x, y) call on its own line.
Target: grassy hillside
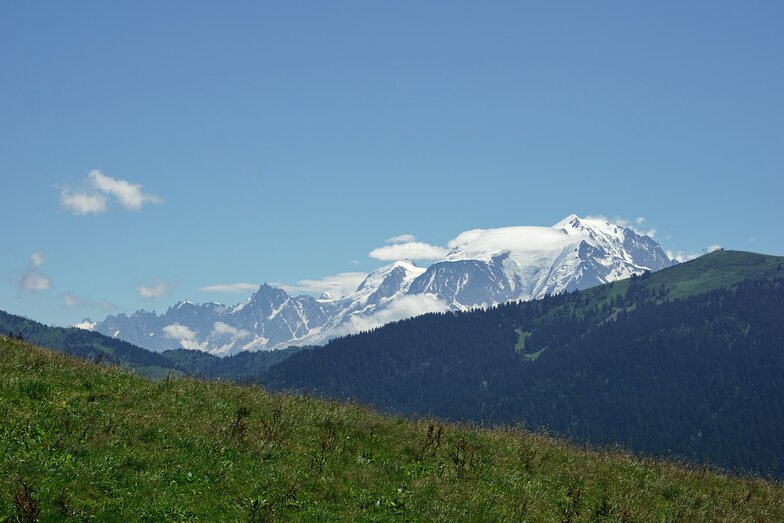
point(715, 270)
point(79, 441)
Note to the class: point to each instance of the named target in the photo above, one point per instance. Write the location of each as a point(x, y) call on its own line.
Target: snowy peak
point(570, 222)
point(594, 228)
point(267, 299)
point(400, 271)
point(490, 266)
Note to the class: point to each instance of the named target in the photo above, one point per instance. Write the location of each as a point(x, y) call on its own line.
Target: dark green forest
point(698, 376)
point(244, 367)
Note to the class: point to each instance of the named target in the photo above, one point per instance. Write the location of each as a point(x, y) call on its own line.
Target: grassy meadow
point(82, 442)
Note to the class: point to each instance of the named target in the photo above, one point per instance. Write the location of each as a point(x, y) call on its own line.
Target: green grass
point(79, 442)
point(712, 271)
point(521, 337)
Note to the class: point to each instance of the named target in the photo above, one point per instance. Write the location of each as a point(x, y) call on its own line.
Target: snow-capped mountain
point(483, 267)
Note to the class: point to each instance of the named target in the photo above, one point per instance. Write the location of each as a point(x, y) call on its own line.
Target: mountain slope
point(83, 442)
point(483, 267)
point(687, 361)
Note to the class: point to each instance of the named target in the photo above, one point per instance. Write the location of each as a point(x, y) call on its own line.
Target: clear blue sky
point(286, 140)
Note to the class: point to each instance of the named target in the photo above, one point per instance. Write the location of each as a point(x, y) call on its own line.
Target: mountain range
point(484, 267)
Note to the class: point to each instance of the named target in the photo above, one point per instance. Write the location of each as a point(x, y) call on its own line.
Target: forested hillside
point(240, 367)
point(685, 362)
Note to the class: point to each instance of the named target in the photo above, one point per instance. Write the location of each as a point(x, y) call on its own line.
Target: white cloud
point(681, 257)
point(400, 309)
point(354, 262)
point(409, 251)
point(37, 259)
point(640, 220)
point(71, 300)
point(403, 238)
point(220, 328)
point(32, 279)
point(231, 287)
point(81, 202)
point(156, 290)
point(177, 331)
point(35, 281)
point(465, 237)
point(93, 200)
point(338, 285)
point(129, 195)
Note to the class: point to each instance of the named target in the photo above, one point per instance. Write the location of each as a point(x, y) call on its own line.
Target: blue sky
point(284, 142)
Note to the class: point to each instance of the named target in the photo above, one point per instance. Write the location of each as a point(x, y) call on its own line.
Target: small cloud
point(338, 285)
point(129, 195)
point(403, 238)
point(177, 331)
point(409, 251)
point(354, 262)
point(714, 247)
point(33, 280)
point(93, 199)
point(82, 203)
point(620, 222)
point(109, 306)
point(235, 288)
point(156, 290)
point(72, 301)
point(220, 328)
point(640, 220)
point(37, 259)
point(681, 257)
